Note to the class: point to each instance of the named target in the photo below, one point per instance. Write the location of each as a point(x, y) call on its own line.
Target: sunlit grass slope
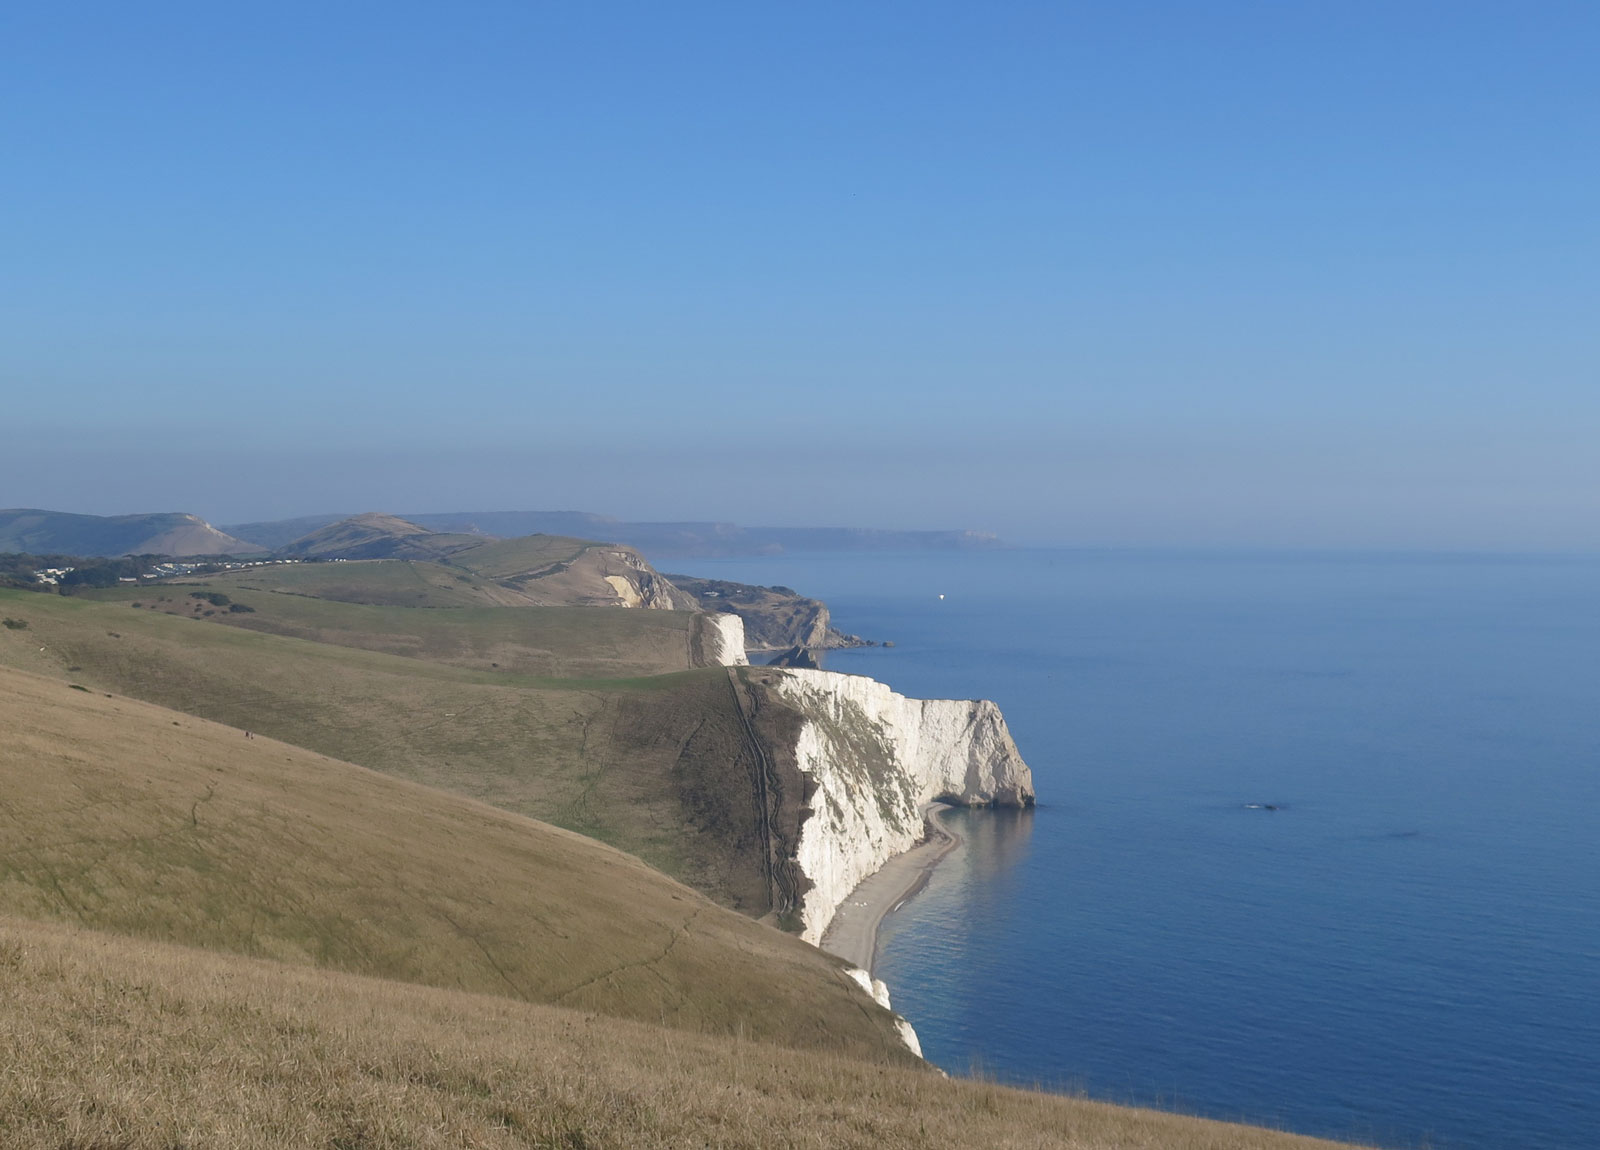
point(576, 642)
point(500, 558)
point(656, 766)
point(115, 1043)
point(385, 582)
point(123, 816)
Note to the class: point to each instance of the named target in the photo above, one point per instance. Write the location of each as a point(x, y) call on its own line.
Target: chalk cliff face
point(634, 582)
point(598, 575)
point(717, 640)
point(880, 995)
point(874, 759)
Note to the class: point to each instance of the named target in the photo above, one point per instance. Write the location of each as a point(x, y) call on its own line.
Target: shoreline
point(853, 932)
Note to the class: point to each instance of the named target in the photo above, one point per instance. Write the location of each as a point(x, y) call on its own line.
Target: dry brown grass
point(551, 642)
point(501, 558)
point(624, 761)
point(136, 1046)
point(387, 582)
point(119, 815)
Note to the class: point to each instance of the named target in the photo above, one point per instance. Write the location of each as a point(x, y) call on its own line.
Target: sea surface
point(1406, 951)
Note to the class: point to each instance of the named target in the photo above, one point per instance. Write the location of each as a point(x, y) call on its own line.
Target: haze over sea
point(1407, 951)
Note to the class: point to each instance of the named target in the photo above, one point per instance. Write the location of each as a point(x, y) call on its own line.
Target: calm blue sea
point(1408, 951)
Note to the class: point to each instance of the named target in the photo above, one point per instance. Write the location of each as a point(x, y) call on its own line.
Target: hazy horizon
point(1317, 276)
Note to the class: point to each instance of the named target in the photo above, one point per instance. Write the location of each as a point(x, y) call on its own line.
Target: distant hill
point(707, 539)
point(535, 570)
point(375, 535)
point(161, 533)
point(688, 539)
point(276, 534)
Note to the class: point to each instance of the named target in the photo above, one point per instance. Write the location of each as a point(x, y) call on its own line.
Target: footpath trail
point(853, 933)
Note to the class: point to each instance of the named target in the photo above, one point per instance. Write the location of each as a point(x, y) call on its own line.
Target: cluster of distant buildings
point(167, 570)
point(54, 575)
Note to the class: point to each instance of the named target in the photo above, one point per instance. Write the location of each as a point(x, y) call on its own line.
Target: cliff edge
point(716, 640)
point(872, 760)
point(775, 618)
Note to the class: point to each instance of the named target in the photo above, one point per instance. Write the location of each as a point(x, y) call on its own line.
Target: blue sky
point(1311, 274)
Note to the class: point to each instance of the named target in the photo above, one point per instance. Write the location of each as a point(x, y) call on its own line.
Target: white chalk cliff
point(880, 994)
point(876, 759)
point(634, 581)
point(720, 640)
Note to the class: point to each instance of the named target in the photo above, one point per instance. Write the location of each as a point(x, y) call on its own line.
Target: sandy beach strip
point(853, 933)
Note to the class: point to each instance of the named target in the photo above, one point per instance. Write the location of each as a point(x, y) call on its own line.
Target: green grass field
point(658, 766)
point(386, 582)
point(127, 817)
point(550, 642)
point(503, 558)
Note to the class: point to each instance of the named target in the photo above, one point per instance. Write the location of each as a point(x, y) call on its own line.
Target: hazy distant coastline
point(675, 540)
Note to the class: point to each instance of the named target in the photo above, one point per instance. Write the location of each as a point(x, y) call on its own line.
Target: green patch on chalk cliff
point(863, 751)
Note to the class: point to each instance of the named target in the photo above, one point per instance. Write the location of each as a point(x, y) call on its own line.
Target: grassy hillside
point(375, 535)
point(662, 767)
point(474, 930)
point(554, 569)
point(547, 641)
point(544, 570)
point(114, 1043)
point(379, 582)
point(164, 533)
point(276, 534)
point(131, 818)
point(503, 558)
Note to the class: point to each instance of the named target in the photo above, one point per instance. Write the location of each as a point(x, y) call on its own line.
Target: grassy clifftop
point(449, 624)
point(660, 766)
point(542, 570)
point(131, 818)
point(375, 582)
